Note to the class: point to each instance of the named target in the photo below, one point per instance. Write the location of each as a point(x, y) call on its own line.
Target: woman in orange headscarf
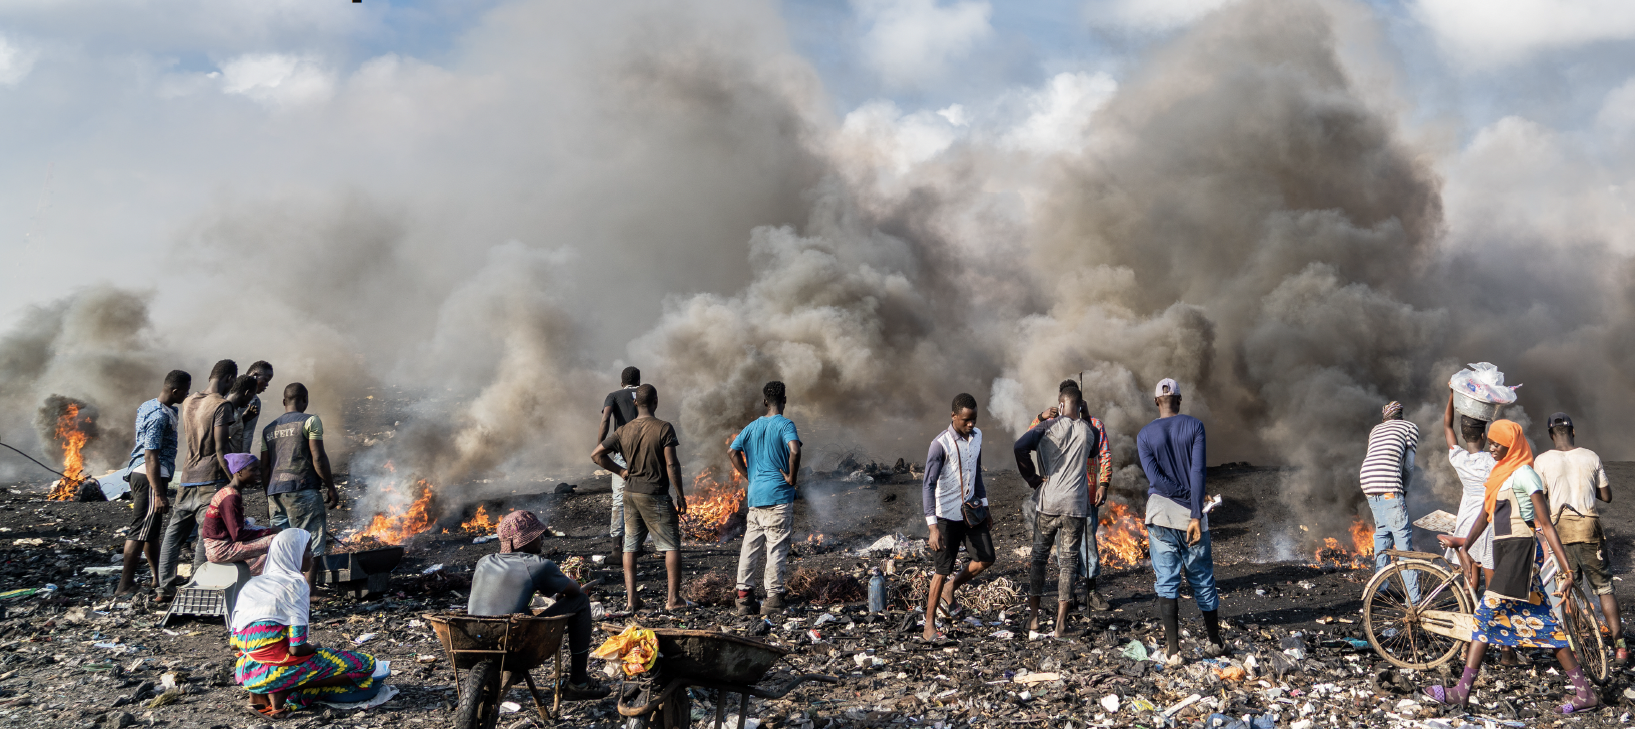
point(1514, 611)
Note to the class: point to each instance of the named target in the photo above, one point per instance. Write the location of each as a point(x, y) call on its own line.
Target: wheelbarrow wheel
point(479, 697)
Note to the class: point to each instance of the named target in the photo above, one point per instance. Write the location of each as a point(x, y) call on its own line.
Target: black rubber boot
point(1212, 626)
point(1169, 613)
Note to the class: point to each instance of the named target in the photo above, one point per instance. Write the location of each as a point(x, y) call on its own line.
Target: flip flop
point(265, 711)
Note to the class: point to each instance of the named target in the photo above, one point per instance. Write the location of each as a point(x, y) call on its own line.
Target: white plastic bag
point(1483, 382)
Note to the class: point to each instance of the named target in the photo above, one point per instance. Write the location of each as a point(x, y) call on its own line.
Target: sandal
point(1439, 694)
point(266, 711)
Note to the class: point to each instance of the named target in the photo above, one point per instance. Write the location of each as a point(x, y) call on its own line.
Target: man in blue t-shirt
point(767, 453)
point(1171, 450)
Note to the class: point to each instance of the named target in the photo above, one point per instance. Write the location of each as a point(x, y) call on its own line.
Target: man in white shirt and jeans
point(1574, 479)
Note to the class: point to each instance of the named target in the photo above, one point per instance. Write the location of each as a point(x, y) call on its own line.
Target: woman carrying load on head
point(1514, 611)
point(276, 664)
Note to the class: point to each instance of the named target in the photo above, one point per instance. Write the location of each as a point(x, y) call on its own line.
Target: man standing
point(505, 583)
point(1573, 480)
point(1063, 498)
point(294, 465)
point(152, 462)
point(953, 478)
point(207, 419)
point(243, 433)
point(649, 446)
point(618, 408)
point(1172, 451)
point(1385, 473)
point(1101, 469)
point(767, 453)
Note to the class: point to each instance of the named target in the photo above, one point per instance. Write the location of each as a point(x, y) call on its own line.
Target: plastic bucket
point(1469, 406)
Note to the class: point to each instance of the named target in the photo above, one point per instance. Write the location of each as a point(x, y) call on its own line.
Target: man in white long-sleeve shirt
point(953, 476)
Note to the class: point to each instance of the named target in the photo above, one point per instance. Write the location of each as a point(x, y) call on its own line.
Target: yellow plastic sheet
point(637, 649)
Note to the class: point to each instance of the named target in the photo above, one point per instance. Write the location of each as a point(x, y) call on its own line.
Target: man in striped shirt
point(1385, 472)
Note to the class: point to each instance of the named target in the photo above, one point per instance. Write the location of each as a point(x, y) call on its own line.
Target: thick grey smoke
point(578, 189)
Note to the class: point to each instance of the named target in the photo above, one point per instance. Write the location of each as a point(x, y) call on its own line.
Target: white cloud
point(278, 80)
point(15, 63)
point(1617, 113)
point(1059, 118)
point(1148, 15)
point(1491, 33)
point(877, 136)
point(912, 41)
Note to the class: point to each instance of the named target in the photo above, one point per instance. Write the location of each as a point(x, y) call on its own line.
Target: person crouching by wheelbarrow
point(1514, 611)
point(276, 664)
point(505, 583)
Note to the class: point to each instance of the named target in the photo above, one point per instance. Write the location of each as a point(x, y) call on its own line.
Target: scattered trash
point(426, 658)
point(1135, 651)
point(485, 540)
point(510, 707)
point(365, 638)
point(432, 569)
point(1110, 703)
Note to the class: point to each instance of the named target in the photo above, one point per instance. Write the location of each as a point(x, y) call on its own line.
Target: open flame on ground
point(479, 522)
point(397, 524)
point(1121, 539)
point(72, 435)
point(714, 509)
point(1359, 554)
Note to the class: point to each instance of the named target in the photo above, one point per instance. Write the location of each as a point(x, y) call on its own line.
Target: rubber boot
point(1169, 613)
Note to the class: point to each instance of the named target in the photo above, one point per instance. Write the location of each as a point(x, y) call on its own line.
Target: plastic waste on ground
point(637, 649)
point(1135, 651)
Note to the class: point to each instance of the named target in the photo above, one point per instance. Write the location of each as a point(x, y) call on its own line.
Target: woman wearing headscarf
point(276, 664)
point(227, 536)
point(1514, 611)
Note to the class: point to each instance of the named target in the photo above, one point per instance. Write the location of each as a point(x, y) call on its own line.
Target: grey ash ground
point(56, 669)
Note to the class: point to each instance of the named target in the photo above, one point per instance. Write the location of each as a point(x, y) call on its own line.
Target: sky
point(105, 166)
point(403, 187)
point(101, 173)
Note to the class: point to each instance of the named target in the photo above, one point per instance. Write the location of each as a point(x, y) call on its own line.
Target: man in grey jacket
point(1063, 497)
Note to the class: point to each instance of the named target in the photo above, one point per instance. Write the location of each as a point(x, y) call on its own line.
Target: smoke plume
point(576, 189)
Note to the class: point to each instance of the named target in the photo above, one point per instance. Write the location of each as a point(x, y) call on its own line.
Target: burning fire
point(398, 525)
point(1122, 538)
point(71, 434)
point(1359, 554)
point(480, 522)
point(713, 507)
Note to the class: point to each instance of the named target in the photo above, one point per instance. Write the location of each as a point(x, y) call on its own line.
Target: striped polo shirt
point(1388, 446)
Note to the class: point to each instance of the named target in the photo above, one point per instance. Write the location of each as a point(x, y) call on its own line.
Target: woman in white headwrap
point(276, 664)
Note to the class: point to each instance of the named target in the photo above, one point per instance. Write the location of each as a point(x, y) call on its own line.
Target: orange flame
point(1359, 554)
point(712, 506)
point(73, 440)
point(398, 525)
point(1122, 537)
point(480, 522)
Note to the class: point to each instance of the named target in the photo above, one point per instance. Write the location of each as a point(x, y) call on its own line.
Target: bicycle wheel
point(1582, 620)
point(1393, 604)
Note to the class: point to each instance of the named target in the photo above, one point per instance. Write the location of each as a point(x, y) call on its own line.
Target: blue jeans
point(1391, 528)
point(1171, 556)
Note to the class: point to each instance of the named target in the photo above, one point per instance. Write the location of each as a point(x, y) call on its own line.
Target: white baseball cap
point(1166, 386)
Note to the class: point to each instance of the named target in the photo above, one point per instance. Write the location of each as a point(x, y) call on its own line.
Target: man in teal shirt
point(767, 453)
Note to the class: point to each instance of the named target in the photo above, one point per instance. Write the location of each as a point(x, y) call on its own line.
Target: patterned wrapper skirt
point(1520, 623)
point(324, 663)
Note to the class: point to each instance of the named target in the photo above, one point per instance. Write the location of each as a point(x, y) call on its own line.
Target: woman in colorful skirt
point(276, 664)
point(1514, 611)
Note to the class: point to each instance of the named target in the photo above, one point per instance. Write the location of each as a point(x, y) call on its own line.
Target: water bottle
point(877, 591)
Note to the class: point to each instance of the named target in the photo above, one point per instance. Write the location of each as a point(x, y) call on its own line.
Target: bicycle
point(1429, 631)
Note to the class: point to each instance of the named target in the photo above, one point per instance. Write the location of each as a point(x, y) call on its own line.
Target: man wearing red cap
point(505, 583)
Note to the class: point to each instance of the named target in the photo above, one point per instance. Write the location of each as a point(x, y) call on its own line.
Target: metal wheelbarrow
point(494, 652)
point(706, 659)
